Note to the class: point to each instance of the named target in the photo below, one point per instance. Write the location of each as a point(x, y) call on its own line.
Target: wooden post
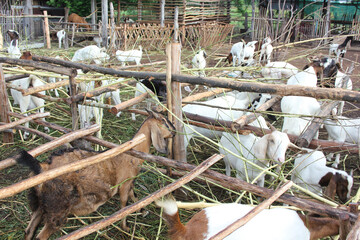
point(162, 13)
point(169, 95)
point(93, 16)
point(112, 30)
point(73, 34)
point(327, 24)
point(118, 13)
point(176, 25)
point(252, 19)
point(47, 30)
point(104, 19)
point(28, 22)
point(1, 40)
point(139, 10)
point(66, 43)
point(4, 109)
point(73, 105)
point(183, 29)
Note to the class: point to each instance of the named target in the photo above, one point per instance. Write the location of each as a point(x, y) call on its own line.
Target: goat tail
point(28, 160)
point(171, 215)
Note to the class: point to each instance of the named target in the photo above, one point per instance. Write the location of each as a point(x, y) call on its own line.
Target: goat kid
point(275, 223)
point(28, 102)
point(83, 191)
point(14, 50)
point(235, 53)
point(310, 172)
point(91, 53)
point(199, 62)
point(248, 53)
point(275, 71)
point(255, 150)
point(129, 56)
point(339, 50)
point(61, 36)
point(156, 86)
point(266, 50)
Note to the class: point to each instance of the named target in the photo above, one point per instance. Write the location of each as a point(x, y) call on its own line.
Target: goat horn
point(272, 128)
point(296, 147)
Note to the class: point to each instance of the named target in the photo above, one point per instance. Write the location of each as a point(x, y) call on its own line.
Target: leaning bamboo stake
point(24, 120)
point(4, 107)
point(31, 131)
point(242, 221)
point(45, 87)
point(168, 95)
point(247, 119)
point(53, 173)
point(143, 202)
point(120, 107)
point(53, 144)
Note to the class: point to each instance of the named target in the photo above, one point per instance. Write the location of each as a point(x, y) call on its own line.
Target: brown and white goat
point(270, 224)
point(81, 22)
point(83, 191)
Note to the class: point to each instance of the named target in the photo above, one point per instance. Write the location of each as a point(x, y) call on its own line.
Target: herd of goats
point(83, 191)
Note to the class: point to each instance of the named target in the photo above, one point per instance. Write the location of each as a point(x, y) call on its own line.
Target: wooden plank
point(47, 30)
point(24, 120)
point(4, 107)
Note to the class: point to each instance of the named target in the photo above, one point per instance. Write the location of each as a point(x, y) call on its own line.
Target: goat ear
point(325, 180)
point(158, 141)
point(260, 147)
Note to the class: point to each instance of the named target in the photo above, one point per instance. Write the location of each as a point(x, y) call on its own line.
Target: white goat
point(309, 106)
point(89, 53)
point(28, 102)
point(270, 224)
point(61, 36)
point(129, 56)
point(266, 50)
point(259, 151)
point(311, 172)
point(86, 113)
point(235, 53)
point(199, 62)
point(213, 109)
point(340, 82)
point(343, 129)
point(248, 52)
point(278, 71)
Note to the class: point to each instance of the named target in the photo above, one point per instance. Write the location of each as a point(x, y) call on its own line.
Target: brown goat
point(83, 191)
point(321, 227)
point(26, 55)
point(81, 22)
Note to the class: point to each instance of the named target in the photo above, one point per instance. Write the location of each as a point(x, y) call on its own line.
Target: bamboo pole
point(242, 221)
point(169, 94)
point(24, 120)
point(53, 173)
point(31, 131)
point(143, 202)
point(73, 104)
point(206, 94)
point(236, 184)
point(120, 107)
point(47, 30)
point(71, 136)
point(4, 107)
point(44, 66)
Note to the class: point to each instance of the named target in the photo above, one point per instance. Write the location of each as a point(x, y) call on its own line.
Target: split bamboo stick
point(120, 107)
point(53, 144)
point(206, 94)
point(143, 202)
point(24, 120)
point(242, 221)
point(53, 173)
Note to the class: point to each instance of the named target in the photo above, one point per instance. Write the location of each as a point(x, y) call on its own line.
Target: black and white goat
point(339, 50)
point(158, 87)
point(14, 50)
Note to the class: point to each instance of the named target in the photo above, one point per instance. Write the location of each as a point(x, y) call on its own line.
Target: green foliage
point(81, 7)
point(242, 6)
